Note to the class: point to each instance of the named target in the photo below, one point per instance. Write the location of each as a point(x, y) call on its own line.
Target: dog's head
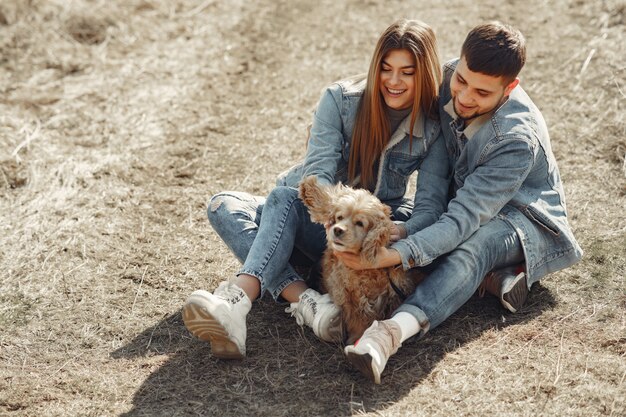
point(355, 220)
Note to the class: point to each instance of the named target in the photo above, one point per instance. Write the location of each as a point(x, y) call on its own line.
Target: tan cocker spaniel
point(356, 222)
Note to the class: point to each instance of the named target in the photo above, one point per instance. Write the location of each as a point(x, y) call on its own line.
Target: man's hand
point(398, 231)
point(385, 258)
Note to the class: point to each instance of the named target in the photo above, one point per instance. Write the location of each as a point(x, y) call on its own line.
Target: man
point(508, 209)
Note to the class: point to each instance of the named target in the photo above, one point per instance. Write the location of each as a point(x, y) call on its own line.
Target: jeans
point(453, 278)
point(263, 232)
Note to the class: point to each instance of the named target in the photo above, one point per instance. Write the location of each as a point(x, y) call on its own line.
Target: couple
point(489, 209)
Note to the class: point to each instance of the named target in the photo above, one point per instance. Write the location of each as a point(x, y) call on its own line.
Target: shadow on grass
point(289, 372)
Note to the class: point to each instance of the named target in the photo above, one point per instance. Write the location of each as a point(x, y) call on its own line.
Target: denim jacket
point(328, 151)
point(503, 166)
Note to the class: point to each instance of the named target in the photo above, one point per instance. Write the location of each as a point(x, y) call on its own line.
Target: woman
point(371, 132)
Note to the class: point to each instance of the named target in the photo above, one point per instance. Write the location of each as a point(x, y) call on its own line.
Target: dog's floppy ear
point(378, 236)
point(317, 199)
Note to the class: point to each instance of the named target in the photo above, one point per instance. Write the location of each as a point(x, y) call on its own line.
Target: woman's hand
point(385, 258)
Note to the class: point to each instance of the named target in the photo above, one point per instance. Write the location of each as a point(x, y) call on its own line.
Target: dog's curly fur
point(357, 222)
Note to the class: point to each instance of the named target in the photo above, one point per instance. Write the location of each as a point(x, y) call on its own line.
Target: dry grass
point(118, 120)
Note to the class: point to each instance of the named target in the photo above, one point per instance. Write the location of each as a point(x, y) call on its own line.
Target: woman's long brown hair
point(371, 128)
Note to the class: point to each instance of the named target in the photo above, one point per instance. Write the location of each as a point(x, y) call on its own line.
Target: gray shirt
point(396, 117)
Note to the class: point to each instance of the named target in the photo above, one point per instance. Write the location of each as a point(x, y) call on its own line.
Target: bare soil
point(118, 121)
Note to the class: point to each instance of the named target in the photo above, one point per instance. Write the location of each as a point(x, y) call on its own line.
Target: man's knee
point(488, 246)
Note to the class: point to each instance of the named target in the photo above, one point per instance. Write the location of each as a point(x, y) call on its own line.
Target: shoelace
point(304, 310)
point(295, 312)
point(231, 294)
point(383, 336)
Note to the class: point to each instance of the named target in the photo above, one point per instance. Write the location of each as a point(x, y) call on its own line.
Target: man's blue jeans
point(453, 278)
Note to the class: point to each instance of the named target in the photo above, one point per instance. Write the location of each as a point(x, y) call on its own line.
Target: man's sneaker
point(219, 318)
point(509, 285)
point(372, 351)
point(319, 313)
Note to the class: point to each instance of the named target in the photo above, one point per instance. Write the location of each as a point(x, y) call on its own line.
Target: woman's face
point(397, 82)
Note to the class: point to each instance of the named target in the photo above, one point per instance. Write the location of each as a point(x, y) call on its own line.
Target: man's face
point(475, 94)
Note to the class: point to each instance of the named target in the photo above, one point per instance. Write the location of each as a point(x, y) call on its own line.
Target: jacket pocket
point(403, 164)
point(400, 167)
point(539, 218)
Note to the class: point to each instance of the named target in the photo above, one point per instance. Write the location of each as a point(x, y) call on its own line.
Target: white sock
point(408, 324)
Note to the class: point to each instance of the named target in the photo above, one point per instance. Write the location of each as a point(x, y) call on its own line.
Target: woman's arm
point(431, 197)
point(433, 183)
point(324, 150)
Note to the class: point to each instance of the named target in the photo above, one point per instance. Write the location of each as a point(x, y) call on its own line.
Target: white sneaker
point(219, 318)
point(319, 313)
point(372, 351)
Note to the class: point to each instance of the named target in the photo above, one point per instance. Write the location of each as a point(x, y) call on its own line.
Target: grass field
point(118, 121)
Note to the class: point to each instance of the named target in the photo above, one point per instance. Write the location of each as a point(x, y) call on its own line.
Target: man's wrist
point(392, 258)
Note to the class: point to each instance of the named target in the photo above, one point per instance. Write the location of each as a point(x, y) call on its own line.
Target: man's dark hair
point(495, 49)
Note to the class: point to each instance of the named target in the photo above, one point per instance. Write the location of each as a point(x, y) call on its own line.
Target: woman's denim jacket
point(503, 166)
point(329, 148)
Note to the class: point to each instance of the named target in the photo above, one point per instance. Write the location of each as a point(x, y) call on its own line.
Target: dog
point(356, 222)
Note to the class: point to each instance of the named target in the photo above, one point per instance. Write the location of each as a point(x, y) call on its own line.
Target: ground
point(118, 121)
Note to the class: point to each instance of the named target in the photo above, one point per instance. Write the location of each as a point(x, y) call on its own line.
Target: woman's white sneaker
point(319, 313)
point(220, 319)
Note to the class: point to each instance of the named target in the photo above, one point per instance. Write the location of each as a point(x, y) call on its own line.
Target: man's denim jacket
point(506, 168)
point(328, 151)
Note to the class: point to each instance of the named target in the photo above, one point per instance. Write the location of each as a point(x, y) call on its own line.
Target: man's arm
point(485, 192)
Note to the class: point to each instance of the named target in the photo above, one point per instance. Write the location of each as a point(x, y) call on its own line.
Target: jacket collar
point(404, 129)
point(397, 136)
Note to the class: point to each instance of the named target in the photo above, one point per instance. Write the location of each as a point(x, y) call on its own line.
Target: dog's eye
point(339, 218)
point(359, 223)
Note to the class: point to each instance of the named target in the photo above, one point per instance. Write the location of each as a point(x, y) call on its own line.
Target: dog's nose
point(337, 231)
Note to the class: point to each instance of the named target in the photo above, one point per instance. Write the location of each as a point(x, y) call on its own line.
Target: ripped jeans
point(263, 232)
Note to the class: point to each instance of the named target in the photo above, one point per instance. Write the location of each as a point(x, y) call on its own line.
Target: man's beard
point(476, 115)
point(473, 116)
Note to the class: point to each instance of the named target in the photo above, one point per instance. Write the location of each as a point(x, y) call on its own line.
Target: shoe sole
point(516, 297)
point(364, 364)
point(205, 327)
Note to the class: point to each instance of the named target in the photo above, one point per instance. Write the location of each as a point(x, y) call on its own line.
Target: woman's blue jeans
point(263, 232)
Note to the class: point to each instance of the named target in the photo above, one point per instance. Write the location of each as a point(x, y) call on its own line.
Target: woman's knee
point(225, 204)
point(215, 203)
point(281, 195)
